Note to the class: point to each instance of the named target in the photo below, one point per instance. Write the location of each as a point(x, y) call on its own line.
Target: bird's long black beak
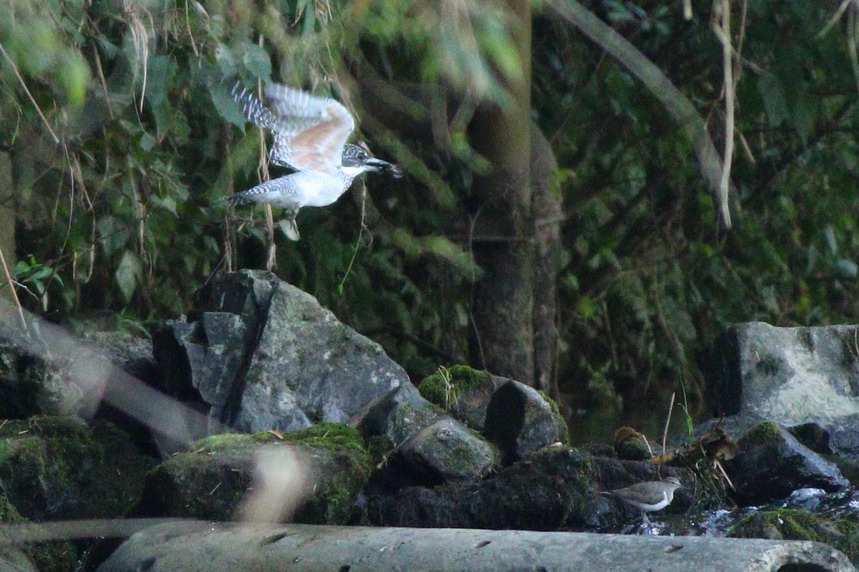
point(384, 166)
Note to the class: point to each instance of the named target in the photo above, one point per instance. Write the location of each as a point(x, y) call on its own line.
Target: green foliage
point(125, 212)
point(35, 279)
point(465, 43)
point(648, 280)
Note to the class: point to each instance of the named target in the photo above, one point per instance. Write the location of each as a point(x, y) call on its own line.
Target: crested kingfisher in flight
point(310, 135)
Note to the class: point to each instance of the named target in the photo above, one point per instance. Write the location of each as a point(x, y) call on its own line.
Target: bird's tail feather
point(239, 199)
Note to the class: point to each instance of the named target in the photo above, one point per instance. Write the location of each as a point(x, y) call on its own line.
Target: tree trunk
point(503, 242)
point(547, 232)
point(7, 225)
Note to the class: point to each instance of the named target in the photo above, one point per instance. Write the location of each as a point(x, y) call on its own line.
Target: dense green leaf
point(774, 99)
point(257, 61)
point(128, 274)
point(226, 105)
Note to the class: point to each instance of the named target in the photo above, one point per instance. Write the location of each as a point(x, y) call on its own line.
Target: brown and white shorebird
point(649, 496)
point(310, 138)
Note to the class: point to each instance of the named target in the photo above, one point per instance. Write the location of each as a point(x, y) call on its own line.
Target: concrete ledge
point(188, 546)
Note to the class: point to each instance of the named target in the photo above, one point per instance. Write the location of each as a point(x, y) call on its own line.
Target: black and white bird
point(310, 136)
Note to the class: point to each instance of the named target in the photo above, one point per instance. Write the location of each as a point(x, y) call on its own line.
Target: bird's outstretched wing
point(309, 131)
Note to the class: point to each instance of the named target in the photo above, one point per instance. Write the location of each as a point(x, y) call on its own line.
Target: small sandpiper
point(649, 496)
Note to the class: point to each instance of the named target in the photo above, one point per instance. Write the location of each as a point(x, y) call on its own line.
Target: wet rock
point(516, 418)
point(810, 499)
point(772, 463)
point(316, 474)
point(258, 353)
point(58, 467)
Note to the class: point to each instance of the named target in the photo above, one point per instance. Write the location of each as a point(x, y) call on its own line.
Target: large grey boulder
point(304, 353)
point(257, 354)
point(793, 376)
point(787, 375)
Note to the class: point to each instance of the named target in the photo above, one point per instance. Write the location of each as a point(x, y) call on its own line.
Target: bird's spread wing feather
point(313, 129)
point(309, 131)
point(253, 109)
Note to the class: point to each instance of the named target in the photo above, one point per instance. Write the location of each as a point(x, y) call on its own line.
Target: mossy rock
point(796, 524)
point(445, 387)
point(558, 417)
point(515, 417)
point(213, 479)
point(44, 556)
point(60, 467)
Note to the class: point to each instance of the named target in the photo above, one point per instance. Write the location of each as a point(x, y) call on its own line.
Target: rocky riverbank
point(277, 412)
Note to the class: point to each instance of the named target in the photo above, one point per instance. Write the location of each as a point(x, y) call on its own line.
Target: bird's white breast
point(318, 189)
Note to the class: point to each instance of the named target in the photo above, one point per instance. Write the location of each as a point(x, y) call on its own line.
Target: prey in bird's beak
point(380, 165)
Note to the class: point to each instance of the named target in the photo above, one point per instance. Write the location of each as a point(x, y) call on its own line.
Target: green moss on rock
point(558, 418)
point(46, 556)
point(59, 467)
point(796, 524)
point(445, 387)
point(763, 432)
point(463, 457)
point(331, 436)
point(212, 480)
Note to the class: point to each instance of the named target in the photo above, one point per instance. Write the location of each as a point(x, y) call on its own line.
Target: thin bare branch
point(15, 299)
point(676, 104)
point(27, 91)
point(722, 29)
point(834, 19)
